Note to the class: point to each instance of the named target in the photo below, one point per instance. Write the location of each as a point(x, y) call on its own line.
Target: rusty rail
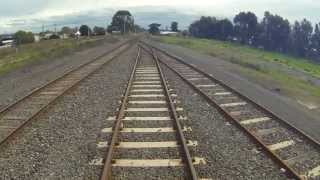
point(250, 100)
point(23, 124)
point(289, 171)
point(183, 143)
point(106, 173)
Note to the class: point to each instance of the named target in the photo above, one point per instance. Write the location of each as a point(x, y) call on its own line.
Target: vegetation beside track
point(43, 50)
point(262, 66)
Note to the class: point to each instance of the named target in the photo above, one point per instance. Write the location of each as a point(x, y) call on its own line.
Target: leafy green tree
point(54, 36)
point(246, 24)
point(210, 27)
point(301, 37)
point(85, 30)
point(24, 37)
point(138, 28)
point(204, 28)
point(225, 29)
point(154, 28)
point(314, 51)
point(275, 32)
point(315, 40)
point(66, 30)
point(99, 30)
point(174, 26)
point(122, 21)
point(110, 28)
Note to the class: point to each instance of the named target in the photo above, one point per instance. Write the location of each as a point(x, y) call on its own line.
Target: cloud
point(30, 15)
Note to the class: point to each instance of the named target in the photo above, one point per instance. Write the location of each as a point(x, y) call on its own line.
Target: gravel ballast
point(146, 154)
point(229, 153)
point(304, 119)
point(19, 82)
point(60, 142)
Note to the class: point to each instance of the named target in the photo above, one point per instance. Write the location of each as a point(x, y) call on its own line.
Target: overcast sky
point(31, 14)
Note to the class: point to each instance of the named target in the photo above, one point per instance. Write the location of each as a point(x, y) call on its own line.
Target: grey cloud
point(145, 15)
point(14, 8)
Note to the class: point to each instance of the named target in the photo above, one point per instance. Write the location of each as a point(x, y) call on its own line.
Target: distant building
point(37, 38)
point(168, 33)
point(115, 32)
point(64, 36)
point(7, 40)
point(77, 34)
point(47, 35)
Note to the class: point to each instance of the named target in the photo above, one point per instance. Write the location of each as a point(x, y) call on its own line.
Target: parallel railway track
point(147, 139)
point(296, 153)
point(16, 115)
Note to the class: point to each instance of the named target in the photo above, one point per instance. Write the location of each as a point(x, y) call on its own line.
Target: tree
point(314, 51)
point(301, 37)
point(275, 32)
point(225, 29)
point(85, 30)
point(174, 26)
point(246, 25)
point(110, 29)
point(138, 28)
point(154, 28)
point(122, 21)
point(24, 37)
point(99, 31)
point(204, 28)
point(54, 36)
point(210, 27)
point(66, 30)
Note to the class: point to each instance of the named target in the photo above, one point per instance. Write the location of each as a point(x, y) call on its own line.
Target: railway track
point(147, 139)
point(297, 154)
point(18, 114)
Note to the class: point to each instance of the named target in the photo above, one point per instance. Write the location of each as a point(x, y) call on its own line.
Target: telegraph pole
point(88, 32)
point(124, 24)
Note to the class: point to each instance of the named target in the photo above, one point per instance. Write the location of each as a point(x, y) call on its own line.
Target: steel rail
point(23, 124)
point(7, 107)
point(289, 171)
point(250, 100)
point(182, 140)
point(106, 172)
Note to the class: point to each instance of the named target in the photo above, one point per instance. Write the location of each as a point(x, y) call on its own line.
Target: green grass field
point(244, 54)
point(28, 53)
point(262, 66)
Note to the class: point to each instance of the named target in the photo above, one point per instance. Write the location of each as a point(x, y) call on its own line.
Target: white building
point(7, 41)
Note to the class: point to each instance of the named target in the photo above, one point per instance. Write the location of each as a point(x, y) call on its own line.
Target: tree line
point(273, 33)
point(122, 22)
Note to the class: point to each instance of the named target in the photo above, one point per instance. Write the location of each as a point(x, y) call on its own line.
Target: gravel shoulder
point(19, 82)
point(229, 153)
point(302, 118)
point(61, 141)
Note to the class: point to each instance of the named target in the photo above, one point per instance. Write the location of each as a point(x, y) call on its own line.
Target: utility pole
point(88, 32)
point(124, 24)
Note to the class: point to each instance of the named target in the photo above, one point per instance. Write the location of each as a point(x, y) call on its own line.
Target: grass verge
point(244, 54)
point(262, 66)
point(29, 53)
